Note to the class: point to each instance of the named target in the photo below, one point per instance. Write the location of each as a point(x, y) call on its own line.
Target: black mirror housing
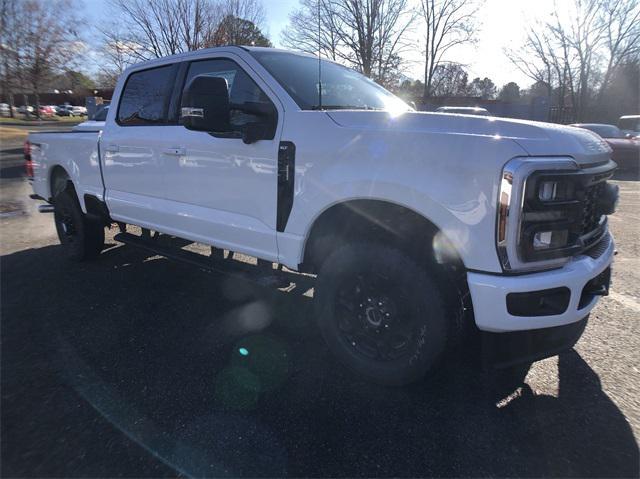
point(205, 105)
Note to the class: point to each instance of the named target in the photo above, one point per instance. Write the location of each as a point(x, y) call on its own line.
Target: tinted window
point(146, 96)
point(101, 115)
point(244, 94)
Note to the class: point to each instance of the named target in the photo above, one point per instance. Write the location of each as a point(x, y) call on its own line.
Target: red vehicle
point(626, 149)
point(47, 110)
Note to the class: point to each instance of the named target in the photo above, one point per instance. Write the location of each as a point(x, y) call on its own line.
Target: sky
point(502, 24)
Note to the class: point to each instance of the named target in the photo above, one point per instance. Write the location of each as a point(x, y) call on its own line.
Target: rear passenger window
point(146, 95)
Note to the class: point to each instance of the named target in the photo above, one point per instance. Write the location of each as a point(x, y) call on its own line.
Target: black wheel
point(82, 238)
point(380, 313)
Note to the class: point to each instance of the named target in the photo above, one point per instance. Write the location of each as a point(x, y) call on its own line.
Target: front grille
point(599, 248)
point(590, 211)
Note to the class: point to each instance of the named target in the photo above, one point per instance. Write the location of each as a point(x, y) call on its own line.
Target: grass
point(8, 134)
point(34, 121)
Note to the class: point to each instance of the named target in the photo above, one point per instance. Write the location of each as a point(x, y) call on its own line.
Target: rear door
point(220, 190)
point(132, 147)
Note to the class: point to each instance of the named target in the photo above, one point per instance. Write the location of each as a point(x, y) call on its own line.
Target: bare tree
point(240, 24)
point(622, 36)
point(368, 35)
point(577, 52)
point(580, 40)
point(156, 28)
point(312, 29)
point(38, 41)
point(449, 79)
point(372, 35)
point(10, 45)
point(446, 24)
point(542, 60)
point(241, 21)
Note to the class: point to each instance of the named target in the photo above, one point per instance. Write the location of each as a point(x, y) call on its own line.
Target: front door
point(220, 190)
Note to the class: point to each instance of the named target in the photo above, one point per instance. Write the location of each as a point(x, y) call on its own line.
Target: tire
point(380, 313)
point(81, 237)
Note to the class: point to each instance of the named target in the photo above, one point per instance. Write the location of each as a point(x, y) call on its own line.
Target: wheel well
point(400, 228)
point(377, 221)
point(58, 180)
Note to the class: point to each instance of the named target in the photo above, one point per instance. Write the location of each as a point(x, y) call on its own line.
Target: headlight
point(548, 190)
point(549, 210)
point(547, 240)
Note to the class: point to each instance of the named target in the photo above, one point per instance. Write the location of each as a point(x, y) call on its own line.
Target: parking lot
point(134, 365)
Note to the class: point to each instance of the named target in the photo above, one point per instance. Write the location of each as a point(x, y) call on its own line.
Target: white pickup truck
point(403, 216)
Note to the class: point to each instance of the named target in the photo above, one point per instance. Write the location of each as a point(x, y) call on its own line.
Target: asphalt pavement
point(133, 365)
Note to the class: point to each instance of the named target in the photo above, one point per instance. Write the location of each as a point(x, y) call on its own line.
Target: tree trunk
point(25, 102)
point(11, 105)
point(427, 81)
point(38, 105)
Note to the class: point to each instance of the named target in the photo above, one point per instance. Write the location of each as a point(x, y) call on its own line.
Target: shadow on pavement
point(16, 171)
point(217, 377)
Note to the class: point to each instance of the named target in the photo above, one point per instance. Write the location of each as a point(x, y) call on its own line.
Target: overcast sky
point(502, 25)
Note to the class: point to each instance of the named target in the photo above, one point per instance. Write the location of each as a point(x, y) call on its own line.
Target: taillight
point(28, 164)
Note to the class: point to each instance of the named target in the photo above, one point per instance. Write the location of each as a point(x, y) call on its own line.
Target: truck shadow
point(216, 376)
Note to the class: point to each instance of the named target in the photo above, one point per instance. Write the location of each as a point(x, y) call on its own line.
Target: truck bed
point(75, 151)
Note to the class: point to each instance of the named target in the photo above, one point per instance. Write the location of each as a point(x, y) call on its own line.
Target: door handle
point(175, 151)
point(113, 149)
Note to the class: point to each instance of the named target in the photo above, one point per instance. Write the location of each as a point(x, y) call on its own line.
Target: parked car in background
point(24, 109)
point(47, 110)
point(5, 109)
point(63, 110)
point(71, 110)
point(96, 124)
point(79, 111)
point(464, 110)
point(626, 149)
point(630, 124)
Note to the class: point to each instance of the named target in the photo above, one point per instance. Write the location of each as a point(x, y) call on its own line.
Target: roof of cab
point(186, 55)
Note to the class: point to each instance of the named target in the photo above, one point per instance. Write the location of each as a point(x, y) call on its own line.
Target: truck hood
point(536, 138)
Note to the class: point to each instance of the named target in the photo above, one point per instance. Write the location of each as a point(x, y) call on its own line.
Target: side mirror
point(205, 104)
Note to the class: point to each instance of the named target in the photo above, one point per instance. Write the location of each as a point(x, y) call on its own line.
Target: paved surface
point(132, 365)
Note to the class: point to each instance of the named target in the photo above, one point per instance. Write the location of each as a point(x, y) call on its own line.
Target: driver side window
point(246, 98)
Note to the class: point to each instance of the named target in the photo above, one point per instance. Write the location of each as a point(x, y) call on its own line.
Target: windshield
point(342, 88)
point(605, 131)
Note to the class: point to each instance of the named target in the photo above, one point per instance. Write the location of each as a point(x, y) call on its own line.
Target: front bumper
point(500, 350)
point(489, 293)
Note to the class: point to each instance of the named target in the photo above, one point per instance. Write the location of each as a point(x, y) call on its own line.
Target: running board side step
point(244, 271)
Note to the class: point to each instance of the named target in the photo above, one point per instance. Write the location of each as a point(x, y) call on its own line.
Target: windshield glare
point(342, 88)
